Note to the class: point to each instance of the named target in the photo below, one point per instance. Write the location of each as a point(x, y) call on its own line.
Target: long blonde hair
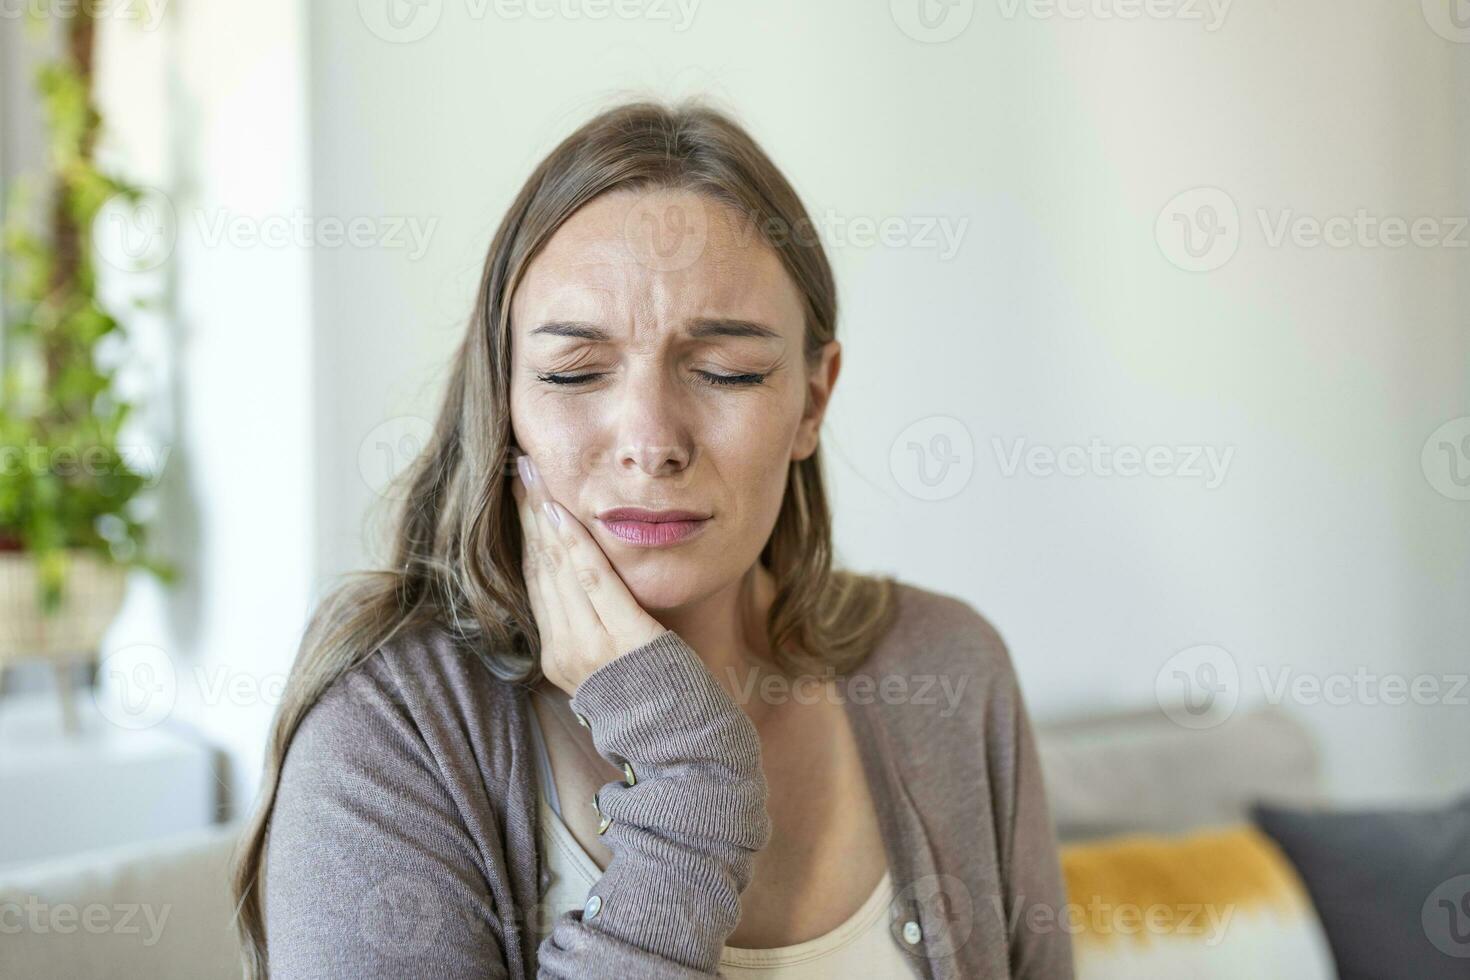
point(456, 546)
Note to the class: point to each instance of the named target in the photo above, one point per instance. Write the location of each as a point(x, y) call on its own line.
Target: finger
point(582, 619)
point(540, 587)
point(607, 595)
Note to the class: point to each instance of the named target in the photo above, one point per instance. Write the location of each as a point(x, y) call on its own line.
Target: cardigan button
point(581, 719)
point(594, 903)
point(605, 821)
point(628, 776)
point(911, 932)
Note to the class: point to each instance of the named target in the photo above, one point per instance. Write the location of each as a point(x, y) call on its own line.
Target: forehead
point(670, 254)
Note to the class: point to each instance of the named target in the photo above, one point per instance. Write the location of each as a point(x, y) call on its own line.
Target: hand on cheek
point(585, 614)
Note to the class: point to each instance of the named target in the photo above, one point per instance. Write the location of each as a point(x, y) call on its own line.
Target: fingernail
point(523, 465)
point(551, 513)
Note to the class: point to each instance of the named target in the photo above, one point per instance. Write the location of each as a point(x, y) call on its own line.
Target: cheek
point(752, 451)
point(560, 441)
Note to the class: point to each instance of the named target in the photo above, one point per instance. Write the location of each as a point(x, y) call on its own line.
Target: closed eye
point(709, 378)
point(732, 379)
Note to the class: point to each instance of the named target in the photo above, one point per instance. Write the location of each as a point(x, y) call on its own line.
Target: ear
point(820, 381)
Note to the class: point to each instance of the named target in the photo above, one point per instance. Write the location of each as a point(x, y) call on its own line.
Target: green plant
point(64, 483)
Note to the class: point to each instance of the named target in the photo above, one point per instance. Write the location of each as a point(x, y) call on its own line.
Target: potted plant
point(70, 528)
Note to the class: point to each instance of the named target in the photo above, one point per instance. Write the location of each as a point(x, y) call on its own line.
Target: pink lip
point(652, 528)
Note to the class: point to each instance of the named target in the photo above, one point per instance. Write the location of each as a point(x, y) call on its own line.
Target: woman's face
point(657, 364)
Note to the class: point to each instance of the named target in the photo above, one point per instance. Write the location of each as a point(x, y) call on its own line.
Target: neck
point(727, 630)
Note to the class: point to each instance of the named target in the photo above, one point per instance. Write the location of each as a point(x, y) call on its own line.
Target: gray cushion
point(1392, 887)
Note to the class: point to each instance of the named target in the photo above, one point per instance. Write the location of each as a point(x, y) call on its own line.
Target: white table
point(102, 786)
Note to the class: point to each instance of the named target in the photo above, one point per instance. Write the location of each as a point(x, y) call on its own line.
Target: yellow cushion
point(1224, 902)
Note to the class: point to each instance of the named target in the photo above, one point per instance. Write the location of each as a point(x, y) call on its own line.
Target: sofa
point(1127, 791)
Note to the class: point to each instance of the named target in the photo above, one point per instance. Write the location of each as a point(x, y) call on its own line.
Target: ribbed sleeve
point(683, 837)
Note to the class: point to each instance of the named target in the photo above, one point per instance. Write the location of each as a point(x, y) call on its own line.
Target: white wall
point(1059, 319)
point(1054, 145)
point(208, 106)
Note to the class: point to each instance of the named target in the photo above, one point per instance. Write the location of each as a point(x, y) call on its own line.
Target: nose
point(653, 434)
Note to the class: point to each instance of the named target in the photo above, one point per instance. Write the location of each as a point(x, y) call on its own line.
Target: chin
point(660, 588)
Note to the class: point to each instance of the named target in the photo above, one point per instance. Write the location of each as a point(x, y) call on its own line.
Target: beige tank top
point(860, 947)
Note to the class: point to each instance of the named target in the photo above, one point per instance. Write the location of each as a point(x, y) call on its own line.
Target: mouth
point(652, 528)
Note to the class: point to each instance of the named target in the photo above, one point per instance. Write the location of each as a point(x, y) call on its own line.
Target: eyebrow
point(700, 328)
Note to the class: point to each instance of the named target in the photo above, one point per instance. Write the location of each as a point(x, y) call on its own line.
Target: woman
point(612, 585)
